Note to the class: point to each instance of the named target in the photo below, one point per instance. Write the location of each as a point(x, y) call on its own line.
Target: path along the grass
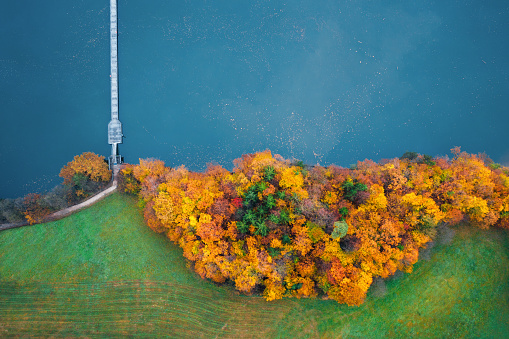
point(72, 209)
point(102, 273)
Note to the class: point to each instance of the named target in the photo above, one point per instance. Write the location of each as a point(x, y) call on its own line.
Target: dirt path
point(70, 210)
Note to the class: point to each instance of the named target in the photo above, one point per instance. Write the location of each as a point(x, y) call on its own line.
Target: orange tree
point(89, 164)
point(86, 173)
point(34, 208)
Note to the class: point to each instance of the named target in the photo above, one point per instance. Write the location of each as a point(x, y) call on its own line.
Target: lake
point(199, 82)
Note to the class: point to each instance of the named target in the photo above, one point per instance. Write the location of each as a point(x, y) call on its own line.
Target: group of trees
point(84, 175)
point(281, 228)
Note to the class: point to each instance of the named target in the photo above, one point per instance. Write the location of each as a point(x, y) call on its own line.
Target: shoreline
point(108, 190)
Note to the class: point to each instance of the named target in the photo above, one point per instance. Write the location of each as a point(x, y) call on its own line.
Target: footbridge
point(115, 126)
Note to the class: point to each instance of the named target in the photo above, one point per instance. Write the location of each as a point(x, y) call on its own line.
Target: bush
point(11, 211)
point(58, 197)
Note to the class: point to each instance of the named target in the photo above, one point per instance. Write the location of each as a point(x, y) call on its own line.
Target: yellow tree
point(88, 164)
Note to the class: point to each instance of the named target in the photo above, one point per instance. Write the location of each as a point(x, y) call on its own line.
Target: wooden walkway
point(114, 59)
point(115, 126)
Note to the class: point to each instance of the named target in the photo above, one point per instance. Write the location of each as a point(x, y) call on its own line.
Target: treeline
point(85, 175)
point(285, 229)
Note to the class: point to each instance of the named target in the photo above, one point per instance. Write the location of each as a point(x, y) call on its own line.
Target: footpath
point(70, 210)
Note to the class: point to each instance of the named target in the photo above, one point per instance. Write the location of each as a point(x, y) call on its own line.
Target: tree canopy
point(290, 230)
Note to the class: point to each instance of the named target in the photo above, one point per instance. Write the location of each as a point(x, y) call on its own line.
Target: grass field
point(103, 273)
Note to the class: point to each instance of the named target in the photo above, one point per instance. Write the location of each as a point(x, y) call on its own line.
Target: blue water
point(200, 81)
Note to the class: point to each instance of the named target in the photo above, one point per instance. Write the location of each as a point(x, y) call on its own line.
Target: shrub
point(58, 197)
point(10, 211)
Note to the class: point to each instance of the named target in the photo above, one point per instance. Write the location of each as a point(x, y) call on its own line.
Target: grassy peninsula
point(103, 272)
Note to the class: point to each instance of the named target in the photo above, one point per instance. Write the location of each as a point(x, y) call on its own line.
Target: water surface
point(324, 82)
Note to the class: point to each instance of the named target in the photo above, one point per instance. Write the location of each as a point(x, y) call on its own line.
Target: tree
point(34, 208)
point(340, 229)
point(409, 155)
point(351, 188)
point(88, 164)
point(127, 182)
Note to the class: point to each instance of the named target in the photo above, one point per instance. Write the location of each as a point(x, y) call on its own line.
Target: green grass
point(103, 273)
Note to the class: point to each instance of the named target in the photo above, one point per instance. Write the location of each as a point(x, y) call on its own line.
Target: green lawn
point(103, 273)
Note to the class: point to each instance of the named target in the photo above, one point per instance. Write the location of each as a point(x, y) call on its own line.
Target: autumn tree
point(127, 181)
point(88, 164)
point(35, 208)
point(86, 174)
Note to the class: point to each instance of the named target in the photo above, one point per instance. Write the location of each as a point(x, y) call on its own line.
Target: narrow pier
point(115, 126)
